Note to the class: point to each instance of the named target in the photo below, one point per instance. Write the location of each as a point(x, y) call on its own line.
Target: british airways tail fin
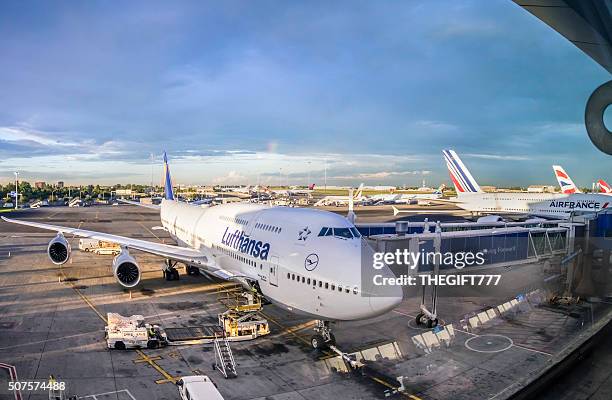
point(604, 187)
point(462, 179)
point(565, 182)
point(169, 194)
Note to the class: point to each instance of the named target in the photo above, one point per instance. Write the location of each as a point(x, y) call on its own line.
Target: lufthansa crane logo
point(311, 262)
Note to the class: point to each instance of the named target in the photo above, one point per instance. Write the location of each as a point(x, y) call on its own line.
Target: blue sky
point(241, 91)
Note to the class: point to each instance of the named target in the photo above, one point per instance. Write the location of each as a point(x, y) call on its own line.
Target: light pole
point(152, 164)
point(308, 181)
point(16, 190)
point(280, 178)
point(326, 175)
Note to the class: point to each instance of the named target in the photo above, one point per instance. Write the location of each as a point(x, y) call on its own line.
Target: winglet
point(167, 180)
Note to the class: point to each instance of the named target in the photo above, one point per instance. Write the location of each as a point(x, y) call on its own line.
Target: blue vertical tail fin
point(169, 194)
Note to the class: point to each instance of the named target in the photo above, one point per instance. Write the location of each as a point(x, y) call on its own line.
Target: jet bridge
point(501, 248)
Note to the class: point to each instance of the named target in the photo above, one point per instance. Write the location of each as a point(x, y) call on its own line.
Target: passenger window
point(355, 290)
point(333, 287)
point(308, 281)
point(288, 276)
point(326, 285)
point(347, 290)
point(292, 277)
point(303, 279)
point(320, 284)
point(339, 288)
point(314, 282)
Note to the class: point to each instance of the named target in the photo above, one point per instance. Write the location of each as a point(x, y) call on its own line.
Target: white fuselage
point(539, 204)
point(282, 250)
point(403, 198)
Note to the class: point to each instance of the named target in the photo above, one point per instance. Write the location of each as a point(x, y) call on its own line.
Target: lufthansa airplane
point(304, 260)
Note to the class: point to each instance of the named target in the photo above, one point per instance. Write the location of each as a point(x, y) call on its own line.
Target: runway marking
point(116, 392)
point(47, 340)
point(150, 231)
point(53, 214)
point(475, 335)
point(151, 361)
point(291, 330)
point(13, 375)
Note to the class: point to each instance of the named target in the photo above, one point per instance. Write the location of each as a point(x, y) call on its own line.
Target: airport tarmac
point(52, 323)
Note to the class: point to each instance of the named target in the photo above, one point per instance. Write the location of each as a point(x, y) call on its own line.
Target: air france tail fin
point(462, 179)
point(565, 182)
point(169, 193)
point(359, 192)
point(604, 187)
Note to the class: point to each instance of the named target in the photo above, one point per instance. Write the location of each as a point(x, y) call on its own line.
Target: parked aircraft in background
point(357, 198)
point(604, 187)
point(471, 197)
point(406, 198)
point(565, 182)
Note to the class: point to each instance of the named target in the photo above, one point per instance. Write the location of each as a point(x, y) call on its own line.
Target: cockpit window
point(343, 233)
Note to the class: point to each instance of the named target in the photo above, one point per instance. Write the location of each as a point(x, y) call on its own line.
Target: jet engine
point(59, 249)
point(126, 269)
point(489, 218)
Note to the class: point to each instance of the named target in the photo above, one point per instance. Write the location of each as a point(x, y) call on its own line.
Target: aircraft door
point(273, 271)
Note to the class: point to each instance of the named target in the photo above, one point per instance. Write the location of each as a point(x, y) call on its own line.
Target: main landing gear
point(170, 272)
point(192, 271)
point(323, 338)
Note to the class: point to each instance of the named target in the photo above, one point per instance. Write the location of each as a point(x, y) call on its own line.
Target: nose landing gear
point(324, 337)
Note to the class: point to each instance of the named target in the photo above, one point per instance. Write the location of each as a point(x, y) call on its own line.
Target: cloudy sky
point(241, 91)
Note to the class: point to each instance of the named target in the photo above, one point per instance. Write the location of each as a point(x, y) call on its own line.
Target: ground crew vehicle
point(198, 387)
point(99, 246)
point(123, 333)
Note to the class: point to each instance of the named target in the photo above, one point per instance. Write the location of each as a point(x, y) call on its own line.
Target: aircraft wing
point(136, 203)
point(183, 254)
point(417, 211)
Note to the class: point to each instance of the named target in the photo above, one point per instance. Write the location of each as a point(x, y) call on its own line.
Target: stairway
point(224, 360)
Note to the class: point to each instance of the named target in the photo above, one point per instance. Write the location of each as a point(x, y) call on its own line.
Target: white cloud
point(498, 157)
point(381, 174)
point(231, 178)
